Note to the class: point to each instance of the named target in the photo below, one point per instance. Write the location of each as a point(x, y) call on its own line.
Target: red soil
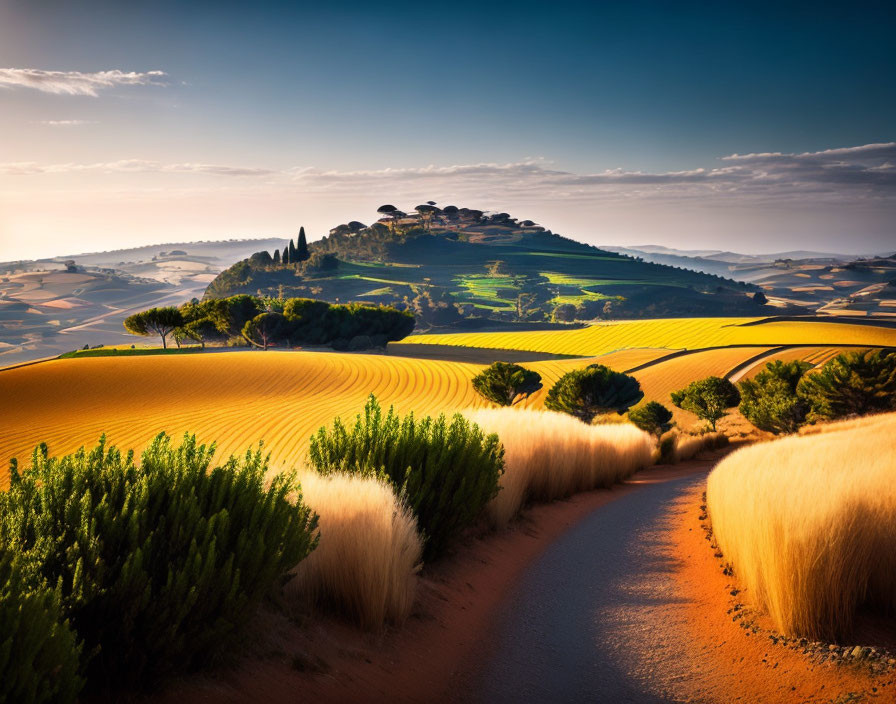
point(725, 663)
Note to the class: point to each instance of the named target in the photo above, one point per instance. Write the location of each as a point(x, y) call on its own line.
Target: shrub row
point(786, 395)
point(445, 470)
point(156, 566)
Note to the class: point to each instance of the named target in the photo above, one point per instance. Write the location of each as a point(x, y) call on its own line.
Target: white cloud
point(835, 175)
point(130, 166)
point(64, 123)
point(76, 82)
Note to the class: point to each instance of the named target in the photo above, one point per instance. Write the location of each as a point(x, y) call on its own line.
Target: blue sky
point(237, 119)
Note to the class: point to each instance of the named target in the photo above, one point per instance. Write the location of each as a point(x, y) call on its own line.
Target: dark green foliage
point(652, 417)
point(446, 470)
point(769, 401)
point(503, 383)
point(292, 252)
point(853, 383)
point(276, 259)
point(155, 321)
point(39, 654)
point(302, 252)
point(707, 398)
point(158, 566)
point(266, 328)
point(586, 393)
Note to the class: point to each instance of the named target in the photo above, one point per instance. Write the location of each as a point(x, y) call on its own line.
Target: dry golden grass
point(369, 551)
point(809, 524)
point(675, 333)
point(551, 455)
point(689, 446)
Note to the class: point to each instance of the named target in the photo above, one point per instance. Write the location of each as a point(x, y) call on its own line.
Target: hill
point(54, 305)
point(238, 398)
point(462, 267)
point(815, 282)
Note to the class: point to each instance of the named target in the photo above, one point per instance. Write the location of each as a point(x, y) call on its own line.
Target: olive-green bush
point(594, 390)
point(853, 383)
point(39, 654)
point(446, 470)
point(158, 565)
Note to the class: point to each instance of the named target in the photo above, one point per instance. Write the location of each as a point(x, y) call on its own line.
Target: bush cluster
point(770, 401)
point(244, 319)
point(786, 395)
point(39, 654)
point(446, 470)
point(157, 566)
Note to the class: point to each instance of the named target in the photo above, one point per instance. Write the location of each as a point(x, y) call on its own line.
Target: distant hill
point(55, 305)
point(462, 267)
point(817, 282)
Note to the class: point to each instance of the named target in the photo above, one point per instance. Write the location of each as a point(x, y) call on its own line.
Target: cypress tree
point(276, 257)
point(292, 253)
point(285, 258)
point(302, 253)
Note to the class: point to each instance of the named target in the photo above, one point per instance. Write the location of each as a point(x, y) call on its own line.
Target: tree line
point(780, 399)
point(262, 322)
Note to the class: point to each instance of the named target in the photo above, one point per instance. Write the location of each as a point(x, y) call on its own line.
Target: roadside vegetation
point(446, 470)
point(552, 455)
point(369, 553)
point(156, 566)
point(808, 525)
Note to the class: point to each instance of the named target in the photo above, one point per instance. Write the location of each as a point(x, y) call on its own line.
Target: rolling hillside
point(460, 267)
point(239, 398)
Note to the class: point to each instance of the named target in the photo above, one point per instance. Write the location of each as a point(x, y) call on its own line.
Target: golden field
point(809, 524)
point(671, 334)
point(239, 398)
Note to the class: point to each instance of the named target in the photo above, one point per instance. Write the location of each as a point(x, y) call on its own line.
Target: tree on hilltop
point(155, 321)
point(302, 253)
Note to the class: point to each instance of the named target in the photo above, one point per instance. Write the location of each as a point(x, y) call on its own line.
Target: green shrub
point(502, 382)
point(708, 398)
point(652, 417)
point(853, 383)
point(446, 470)
point(586, 393)
point(159, 565)
point(769, 401)
point(38, 651)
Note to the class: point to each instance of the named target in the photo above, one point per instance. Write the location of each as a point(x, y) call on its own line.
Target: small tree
point(586, 393)
point(264, 329)
point(504, 383)
point(770, 401)
point(709, 399)
point(155, 321)
point(302, 252)
point(652, 417)
point(285, 258)
point(276, 257)
point(853, 383)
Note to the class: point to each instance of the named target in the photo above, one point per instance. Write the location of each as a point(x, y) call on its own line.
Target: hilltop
point(463, 267)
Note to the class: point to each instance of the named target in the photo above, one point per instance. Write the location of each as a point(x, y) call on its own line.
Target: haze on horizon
point(688, 125)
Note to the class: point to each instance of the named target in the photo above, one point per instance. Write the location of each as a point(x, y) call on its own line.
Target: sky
point(754, 127)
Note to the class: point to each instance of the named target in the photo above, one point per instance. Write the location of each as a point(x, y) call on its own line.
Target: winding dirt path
point(631, 605)
point(611, 596)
